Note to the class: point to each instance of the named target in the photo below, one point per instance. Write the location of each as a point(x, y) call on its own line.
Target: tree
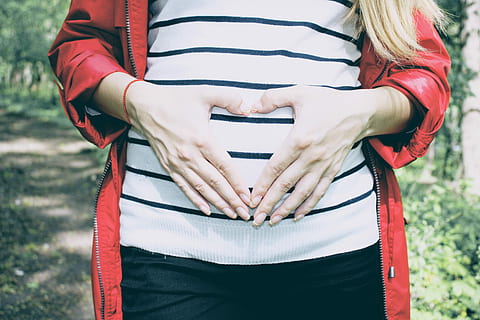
point(27, 29)
point(471, 105)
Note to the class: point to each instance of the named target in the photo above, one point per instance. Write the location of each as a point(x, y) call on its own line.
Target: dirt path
point(47, 188)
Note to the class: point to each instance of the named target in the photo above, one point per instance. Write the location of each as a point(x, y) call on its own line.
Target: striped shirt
point(250, 46)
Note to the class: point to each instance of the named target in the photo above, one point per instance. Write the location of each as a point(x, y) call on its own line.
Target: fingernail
point(259, 219)
point(274, 220)
point(205, 209)
point(299, 217)
point(229, 212)
point(243, 213)
point(256, 201)
point(245, 198)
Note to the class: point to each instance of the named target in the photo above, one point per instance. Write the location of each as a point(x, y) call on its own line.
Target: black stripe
point(250, 155)
point(220, 83)
point(229, 118)
point(346, 3)
point(222, 216)
point(138, 141)
point(350, 171)
point(233, 154)
point(237, 84)
point(343, 204)
point(356, 144)
point(339, 87)
point(170, 207)
point(149, 174)
point(341, 176)
point(273, 22)
point(252, 52)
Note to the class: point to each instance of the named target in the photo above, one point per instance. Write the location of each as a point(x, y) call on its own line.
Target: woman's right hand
point(175, 121)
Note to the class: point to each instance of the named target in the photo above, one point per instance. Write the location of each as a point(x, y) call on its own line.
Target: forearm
point(108, 97)
point(391, 111)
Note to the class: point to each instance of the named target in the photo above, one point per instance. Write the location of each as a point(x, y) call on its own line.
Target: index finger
point(277, 164)
point(220, 159)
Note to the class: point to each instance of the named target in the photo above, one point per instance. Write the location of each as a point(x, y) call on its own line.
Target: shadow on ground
point(47, 188)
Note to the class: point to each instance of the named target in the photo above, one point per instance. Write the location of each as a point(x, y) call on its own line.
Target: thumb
point(228, 99)
point(276, 98)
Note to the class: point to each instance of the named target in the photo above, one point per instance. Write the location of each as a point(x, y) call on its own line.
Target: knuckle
point(276, 170)
point(317, 194)
point(302, 142)
point(285, 186)
point(200, 187)
point(214, 182)
point(199, 141)
point(222, 167)
point(319, 153)
point(183, 153)
point(303, 193)
point(183, 187)
point(306, 208)
point(268, 205)
point(283, 211)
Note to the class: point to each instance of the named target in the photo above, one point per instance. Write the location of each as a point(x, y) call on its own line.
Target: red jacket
point(102, 37)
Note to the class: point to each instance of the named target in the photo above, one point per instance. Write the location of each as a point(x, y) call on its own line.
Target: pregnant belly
point(251, 141)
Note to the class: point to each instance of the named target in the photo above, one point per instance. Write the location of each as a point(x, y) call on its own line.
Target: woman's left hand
point(327, 124)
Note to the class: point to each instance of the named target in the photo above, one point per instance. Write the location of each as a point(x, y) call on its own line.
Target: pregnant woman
point(252, 144)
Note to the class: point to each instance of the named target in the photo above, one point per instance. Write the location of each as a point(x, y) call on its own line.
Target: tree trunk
point(471, 106)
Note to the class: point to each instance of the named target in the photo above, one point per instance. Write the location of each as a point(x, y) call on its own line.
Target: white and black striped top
point(250, 46)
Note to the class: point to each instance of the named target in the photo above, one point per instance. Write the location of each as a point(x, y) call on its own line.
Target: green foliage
point(444, 229)
point(27, 29)
point(448, 150)
point(444, 248)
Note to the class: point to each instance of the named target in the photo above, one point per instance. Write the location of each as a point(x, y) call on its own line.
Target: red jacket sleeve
point(86, 50)
point(424, 82)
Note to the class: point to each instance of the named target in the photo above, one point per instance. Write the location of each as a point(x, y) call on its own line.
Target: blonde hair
point(390, 24)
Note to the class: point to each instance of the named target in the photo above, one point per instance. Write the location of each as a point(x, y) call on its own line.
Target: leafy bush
point(444, 247)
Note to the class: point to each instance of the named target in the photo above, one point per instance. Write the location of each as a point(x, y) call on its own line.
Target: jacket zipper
point(129, 39)
point(105, 171)
point(382, 265)
point(96, 241)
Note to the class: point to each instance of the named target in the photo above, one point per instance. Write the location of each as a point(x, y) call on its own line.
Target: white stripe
point(267, 70)
point(237, 242)
point(328, 14)
point(249, 36)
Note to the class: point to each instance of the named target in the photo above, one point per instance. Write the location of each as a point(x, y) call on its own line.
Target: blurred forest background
point(47, 181)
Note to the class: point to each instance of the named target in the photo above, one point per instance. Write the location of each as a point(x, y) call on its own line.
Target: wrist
point(124, 99)
point(389, 111)
point(135, 103)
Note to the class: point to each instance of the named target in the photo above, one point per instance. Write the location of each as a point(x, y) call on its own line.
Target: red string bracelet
point(125, 99)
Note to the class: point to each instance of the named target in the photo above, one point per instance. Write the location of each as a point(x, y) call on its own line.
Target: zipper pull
point(391, 272)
